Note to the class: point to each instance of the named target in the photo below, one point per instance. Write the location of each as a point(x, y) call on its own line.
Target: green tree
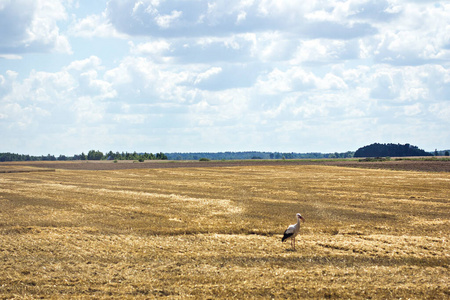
point(49, 157)
point(110, 155)
point(94, 155)
point(161, 156)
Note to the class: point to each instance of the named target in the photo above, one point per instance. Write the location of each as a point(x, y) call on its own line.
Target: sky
point(223, 75)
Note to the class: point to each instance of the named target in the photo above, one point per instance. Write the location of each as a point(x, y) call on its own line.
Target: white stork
point(292, 231)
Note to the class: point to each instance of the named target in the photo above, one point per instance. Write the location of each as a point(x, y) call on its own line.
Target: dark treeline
point(390, 150)
point(25, 157)
point(374, 150)
point(98, 155)
point(91, 155)
point(129, 156)
point(255, 155)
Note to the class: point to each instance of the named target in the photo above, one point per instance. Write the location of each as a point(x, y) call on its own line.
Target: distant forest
point(391, 150)
point(255, 155)
point(374, 150)
point(98, 155)
point(91, 155)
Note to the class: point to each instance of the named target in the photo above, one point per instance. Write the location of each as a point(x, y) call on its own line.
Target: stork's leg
point(294, 242)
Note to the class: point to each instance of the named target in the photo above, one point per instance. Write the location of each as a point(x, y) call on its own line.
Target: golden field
point(216, 233)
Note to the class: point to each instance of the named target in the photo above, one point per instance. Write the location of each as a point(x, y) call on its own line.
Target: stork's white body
point(292, 231)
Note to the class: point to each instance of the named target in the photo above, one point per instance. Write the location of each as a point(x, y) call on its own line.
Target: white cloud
point(31, 26)
point(193, 18)
point(413, 110)
point(89, 84)
point(61, 97)
point(417, 36)
point(141, 77)
point(159, 50)
point(165, 21)
point(205, 75)
point(88, 111)
point(326, 51)
point(296, 79)
point(441, 110)
point(395, 32)
point(93, 62)
point(130, 118)
point(10, 56)
point(384, 87)
point(95, 26)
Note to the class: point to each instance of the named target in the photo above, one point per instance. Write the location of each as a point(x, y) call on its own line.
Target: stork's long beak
point(303, 219)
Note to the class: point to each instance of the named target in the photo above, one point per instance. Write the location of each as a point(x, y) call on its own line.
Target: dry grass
point(215, 232)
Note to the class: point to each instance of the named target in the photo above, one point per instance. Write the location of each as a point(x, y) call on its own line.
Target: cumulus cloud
point(31, 26)
point(93, 62)
point(418, 36)
point(49, 97)
point(95, 26)
point(194, 18)
point(393, 32)
point(158, 50)
point(207, 74)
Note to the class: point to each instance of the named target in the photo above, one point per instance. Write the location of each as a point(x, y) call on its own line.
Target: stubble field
point(215, 232)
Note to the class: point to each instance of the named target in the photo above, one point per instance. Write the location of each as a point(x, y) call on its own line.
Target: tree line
point(374, 150)
point(255, 155)
point(91, 155)
point(97, 155)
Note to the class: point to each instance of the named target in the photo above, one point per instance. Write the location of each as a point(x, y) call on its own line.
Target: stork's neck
point(298, 221)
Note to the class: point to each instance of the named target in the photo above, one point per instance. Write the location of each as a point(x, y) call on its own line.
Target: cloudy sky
point(223, 75)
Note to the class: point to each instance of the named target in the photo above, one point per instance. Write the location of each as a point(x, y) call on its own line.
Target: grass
point(216, 233)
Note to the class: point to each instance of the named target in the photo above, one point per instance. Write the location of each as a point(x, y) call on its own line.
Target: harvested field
point(214, 232)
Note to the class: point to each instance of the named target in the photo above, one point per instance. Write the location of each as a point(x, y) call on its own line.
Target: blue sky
point(192, 76)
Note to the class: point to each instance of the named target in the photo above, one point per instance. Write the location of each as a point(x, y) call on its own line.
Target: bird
point(292, 231)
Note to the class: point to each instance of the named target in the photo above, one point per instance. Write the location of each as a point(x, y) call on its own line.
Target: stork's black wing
point(286, 235)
